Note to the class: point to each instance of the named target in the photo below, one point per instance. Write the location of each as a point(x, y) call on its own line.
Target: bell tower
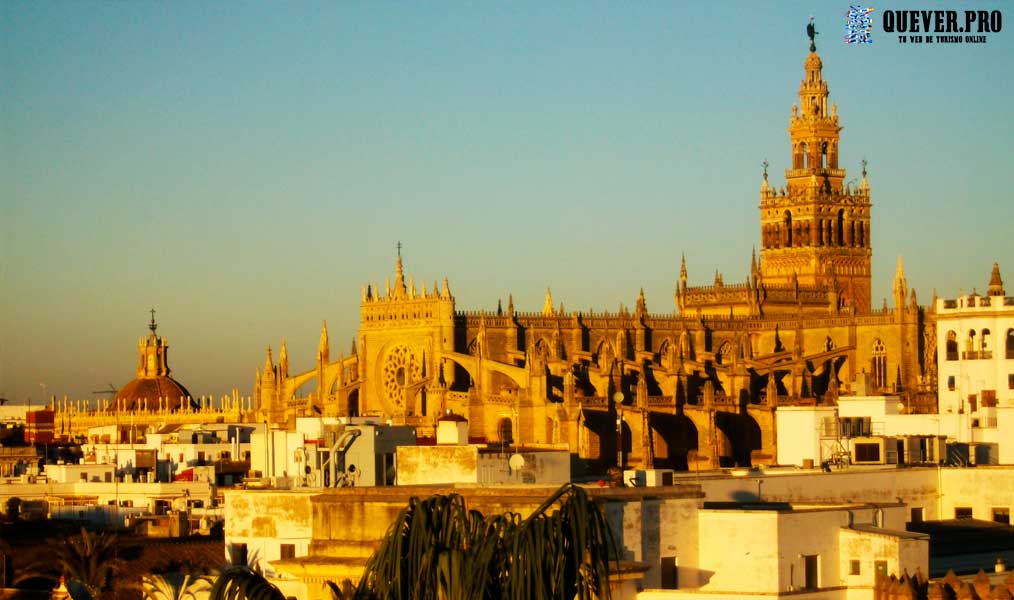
point(816, 230)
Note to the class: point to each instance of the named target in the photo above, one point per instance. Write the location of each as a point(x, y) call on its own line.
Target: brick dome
point(152, 389)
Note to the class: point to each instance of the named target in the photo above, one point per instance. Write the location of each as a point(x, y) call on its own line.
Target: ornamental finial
point(811, 30)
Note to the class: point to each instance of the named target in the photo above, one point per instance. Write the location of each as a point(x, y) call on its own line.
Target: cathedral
point(694, 389)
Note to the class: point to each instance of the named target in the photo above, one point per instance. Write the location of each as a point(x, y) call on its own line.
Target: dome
point(152, 389)
point(153, 386)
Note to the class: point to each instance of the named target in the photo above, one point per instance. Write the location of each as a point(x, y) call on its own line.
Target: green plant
point(437, 549)
point(89, 559)
point(240, 582)
point(174, 586)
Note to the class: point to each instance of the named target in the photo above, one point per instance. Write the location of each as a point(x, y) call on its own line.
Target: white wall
point(972, 375)
point(799, 429)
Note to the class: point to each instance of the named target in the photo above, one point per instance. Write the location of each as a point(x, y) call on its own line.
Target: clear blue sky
point(246, 167)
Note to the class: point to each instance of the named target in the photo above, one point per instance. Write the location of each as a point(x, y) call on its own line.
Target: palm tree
point(240, 582)
point(437, 549)
point(89, 559)
point(175, 586)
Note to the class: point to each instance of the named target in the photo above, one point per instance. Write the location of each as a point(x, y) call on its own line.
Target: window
point(867, 453)
point(1001, 515)
point(670, 573)
point(1010, 381)
point(810, 573)
point(880, 566)
point(238, 554)
point(962, 512)
point(915, 515)
point(1010, 343)
point(288, 551)
point(952, 346)
point(854, 567)
point(879, 366)
point(950, 383)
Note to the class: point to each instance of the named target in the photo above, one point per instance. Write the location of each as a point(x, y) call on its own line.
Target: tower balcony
point(793, 173)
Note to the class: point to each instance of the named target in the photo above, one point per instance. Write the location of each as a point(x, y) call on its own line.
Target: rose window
point(401, 369)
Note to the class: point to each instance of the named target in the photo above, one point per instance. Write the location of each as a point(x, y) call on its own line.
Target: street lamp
point(618, 400)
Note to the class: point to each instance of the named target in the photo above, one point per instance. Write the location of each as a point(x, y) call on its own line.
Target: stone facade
point(691, 389)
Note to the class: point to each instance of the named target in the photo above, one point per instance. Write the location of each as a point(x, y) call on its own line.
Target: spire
point(499, 307)
point(900, 285)
point(152, 326)
point(323, 348)
point(995, 282)
point(683, 268)
point(547, 306)
point(446, 293)
point(642, 306)
point(399, 277)
point(269, 365)
point(283, 361)
point(510, 304)
point(354, 352)
point(864, 185)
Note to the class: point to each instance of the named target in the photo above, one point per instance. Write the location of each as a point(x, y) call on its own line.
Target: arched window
point(840, 237)
point(505, 431)
point(823, 155)
point(805, 154)
point(724, 352)
point(970, 343)
point(984, 340)
point(788, 229)
point(879, 364)
point(952, 346)
point(1010, 343)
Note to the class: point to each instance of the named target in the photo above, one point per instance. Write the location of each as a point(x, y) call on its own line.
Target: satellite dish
point(516, 462)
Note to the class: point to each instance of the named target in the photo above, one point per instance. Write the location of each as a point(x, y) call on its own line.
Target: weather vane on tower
point(811, 30)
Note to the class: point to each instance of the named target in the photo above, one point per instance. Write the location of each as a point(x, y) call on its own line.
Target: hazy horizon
point(246, 172)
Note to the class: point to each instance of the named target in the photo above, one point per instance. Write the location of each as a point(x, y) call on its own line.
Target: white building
point(328, 452)
point(975, 351)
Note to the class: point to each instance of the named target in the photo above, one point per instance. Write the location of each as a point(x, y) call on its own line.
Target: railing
point(977, 355)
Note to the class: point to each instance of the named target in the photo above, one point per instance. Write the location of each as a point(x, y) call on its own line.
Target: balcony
point(976, 355)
